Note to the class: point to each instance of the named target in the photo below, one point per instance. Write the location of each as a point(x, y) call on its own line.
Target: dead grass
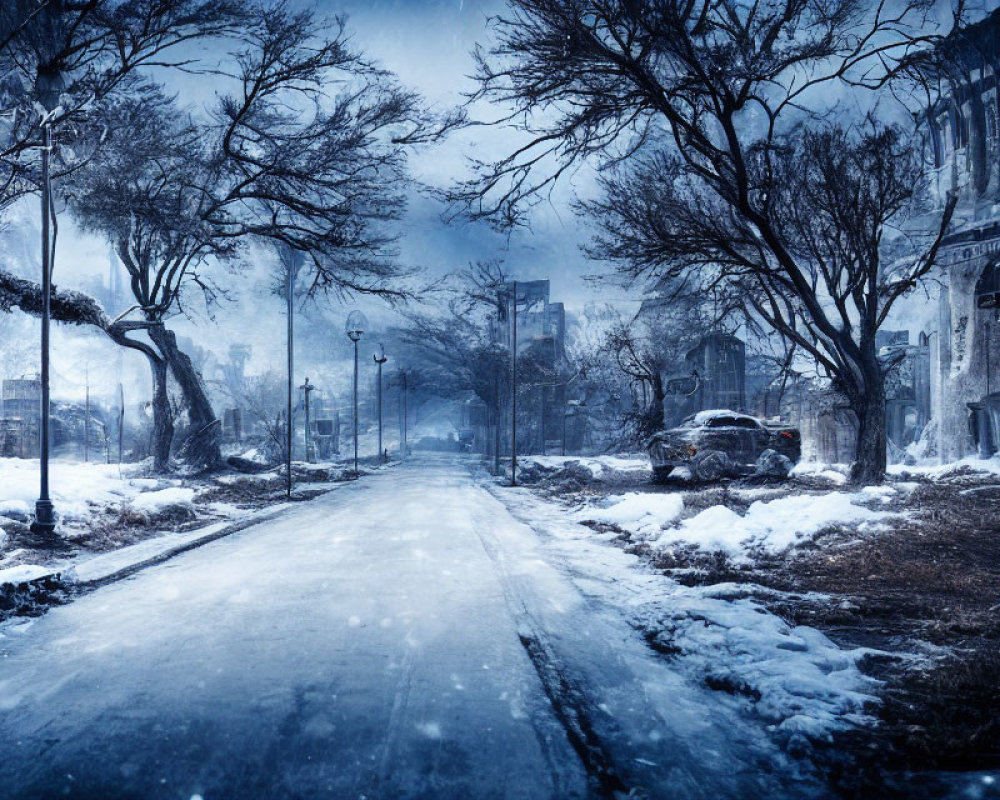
point(929, 586)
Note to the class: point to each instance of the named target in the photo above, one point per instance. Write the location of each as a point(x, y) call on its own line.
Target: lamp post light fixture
point(380, 359)
point(355, 329)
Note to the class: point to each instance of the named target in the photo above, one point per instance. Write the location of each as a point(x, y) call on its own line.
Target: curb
point(77, 586)
point(36, 594)
point(64, 579)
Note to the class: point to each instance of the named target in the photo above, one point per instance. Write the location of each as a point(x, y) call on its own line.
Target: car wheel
point(772, 464)
point(661, 474)
point(711, 465)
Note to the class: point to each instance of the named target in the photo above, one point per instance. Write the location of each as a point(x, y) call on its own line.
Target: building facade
point(964, 148)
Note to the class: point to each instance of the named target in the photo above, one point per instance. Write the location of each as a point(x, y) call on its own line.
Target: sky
point(427, 43)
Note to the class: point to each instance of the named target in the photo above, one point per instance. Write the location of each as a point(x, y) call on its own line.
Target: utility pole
point(513, 392)
point(306, 389)
point(380, 359)
point(405, 419)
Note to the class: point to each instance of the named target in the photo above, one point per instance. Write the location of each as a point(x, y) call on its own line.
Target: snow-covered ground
point(837, 473)
point(794, 677)
point(89, 495)
point(75, 487)
point(603, 467)
point(990, 466)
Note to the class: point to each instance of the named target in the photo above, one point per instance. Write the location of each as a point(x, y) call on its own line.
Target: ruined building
point(20, 418)
point(713, 376)
point(964, 147)
point(541, 353)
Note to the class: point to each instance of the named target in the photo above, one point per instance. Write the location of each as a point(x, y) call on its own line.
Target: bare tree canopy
point(308, 151)
point(697, 112)
point(60, 59)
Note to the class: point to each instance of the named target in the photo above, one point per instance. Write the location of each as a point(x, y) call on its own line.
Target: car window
point(731, 422)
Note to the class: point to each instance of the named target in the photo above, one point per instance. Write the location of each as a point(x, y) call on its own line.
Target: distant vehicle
point(721, 443)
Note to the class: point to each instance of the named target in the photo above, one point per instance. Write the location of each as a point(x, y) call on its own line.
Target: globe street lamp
point(380, 359)
point(355, 329)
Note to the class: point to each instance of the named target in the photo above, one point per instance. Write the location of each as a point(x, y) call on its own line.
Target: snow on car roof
point(704, 416)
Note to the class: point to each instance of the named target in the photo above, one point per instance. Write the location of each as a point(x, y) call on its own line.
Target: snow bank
point(601, 467)
point(640, 513)
point(23, 572)
point(796, 678)
point(73, 486)
point(768, 525)
point(151, 502)
point(771, 526)
point(988, 466)
point(15, 508)
point(838, 472)
point(835, 473)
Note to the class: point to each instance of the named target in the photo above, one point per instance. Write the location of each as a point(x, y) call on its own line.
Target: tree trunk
point(163, 423)
point(870, 455)
point(201, 449)
point(656, 408)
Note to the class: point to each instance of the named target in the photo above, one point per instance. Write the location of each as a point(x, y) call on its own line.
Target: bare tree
point(70, 55)
point(285, 159)
point(453, 346)
point(832, 196)
point(702, 99)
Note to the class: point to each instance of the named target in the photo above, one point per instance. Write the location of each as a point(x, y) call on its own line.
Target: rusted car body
point(721, 443)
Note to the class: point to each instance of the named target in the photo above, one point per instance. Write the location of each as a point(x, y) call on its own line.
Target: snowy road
point(403, 637)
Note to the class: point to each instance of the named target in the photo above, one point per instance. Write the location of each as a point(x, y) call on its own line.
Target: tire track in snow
point(568, 697)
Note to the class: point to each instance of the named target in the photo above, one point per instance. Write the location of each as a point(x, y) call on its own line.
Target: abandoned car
point(722, 443)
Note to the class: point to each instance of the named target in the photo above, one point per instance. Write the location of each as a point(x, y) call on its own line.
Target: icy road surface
point(403, 637)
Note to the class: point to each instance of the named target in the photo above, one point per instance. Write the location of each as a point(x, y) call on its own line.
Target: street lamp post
point(291, 260)
point(49, 85)
point(513, 393)
point(380, 359)
point(404, 451)
point(355, 328)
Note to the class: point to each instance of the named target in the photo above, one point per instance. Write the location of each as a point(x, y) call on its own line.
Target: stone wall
point(969, 339)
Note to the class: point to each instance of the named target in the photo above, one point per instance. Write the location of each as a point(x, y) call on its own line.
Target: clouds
point(428, 44)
